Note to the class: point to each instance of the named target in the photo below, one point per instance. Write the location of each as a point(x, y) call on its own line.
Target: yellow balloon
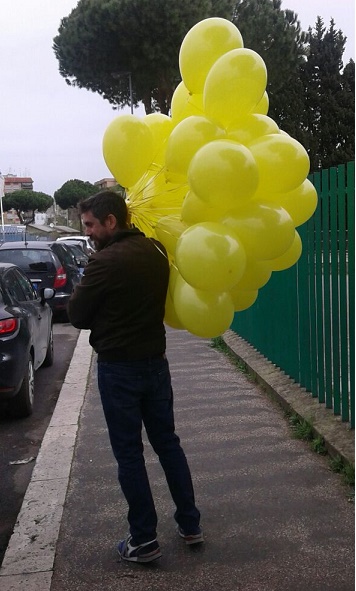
point(249, 128)
point(300, 203)
point(256, 275)
point(185, 140)
point(184, 104)
point(161, 127)
point(243, 299)
point(265, 229)
point(234, 85)
point(173, 274)
point(210, 257)
point(168, 229)
point(195, 210)
point(290, 257)
point(283, 163)
point(204, 43)
point(204, 313)
point(128, 149)
point(223, 173)
point(263, 105)
point(170, 315)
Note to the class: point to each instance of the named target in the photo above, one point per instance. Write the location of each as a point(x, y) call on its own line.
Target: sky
point(53, 132)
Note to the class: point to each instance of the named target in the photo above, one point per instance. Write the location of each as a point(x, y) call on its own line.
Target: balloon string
point(143, 215)
point(161, 251)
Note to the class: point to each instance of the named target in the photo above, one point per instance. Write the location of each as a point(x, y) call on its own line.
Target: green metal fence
point(304, 318)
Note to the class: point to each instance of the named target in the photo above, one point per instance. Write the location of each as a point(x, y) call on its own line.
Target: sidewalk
point(275, 517)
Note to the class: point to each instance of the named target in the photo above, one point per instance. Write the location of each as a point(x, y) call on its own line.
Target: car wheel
point(22, 404)
point(48, 360)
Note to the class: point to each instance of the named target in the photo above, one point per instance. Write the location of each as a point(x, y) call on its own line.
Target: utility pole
point(2, 193)
point(130, 89)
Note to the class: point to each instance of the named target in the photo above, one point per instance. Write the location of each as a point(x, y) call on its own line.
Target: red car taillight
point(8, 326)
point(60, 279)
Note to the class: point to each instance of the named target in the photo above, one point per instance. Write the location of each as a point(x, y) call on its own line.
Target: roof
point(37, 244)
point(49, 229)
point(66, 229)
point(9, 180)
point(43, 228)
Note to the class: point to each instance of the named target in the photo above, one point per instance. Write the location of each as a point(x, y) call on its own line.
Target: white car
point(87, 245)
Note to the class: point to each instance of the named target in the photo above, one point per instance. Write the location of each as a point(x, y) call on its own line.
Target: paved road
point(21, 439)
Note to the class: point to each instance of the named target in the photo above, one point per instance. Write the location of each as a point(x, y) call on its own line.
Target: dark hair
point(105, 203)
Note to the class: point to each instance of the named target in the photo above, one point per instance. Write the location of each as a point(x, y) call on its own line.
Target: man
point(121, 299)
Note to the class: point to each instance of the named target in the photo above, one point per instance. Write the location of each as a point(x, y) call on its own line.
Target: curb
point(28, 561)
point(338, 437)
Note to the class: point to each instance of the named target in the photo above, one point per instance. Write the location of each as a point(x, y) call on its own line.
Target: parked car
point(87, 244)
point(26, 337)
point(71, 264)
point(44, 268)
point(76, 252)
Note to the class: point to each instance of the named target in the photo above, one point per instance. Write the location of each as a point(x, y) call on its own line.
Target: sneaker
point(197, 538)
point(142, 553)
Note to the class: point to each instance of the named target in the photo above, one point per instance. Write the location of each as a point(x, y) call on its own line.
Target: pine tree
point(329, 98)
point(100, 43)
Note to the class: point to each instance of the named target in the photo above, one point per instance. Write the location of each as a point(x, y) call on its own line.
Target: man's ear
point(111, 221)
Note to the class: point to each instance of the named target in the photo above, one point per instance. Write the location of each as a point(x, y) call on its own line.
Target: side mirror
point(46, 293)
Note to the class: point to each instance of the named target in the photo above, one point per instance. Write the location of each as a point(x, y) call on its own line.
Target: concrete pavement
point(275, 517)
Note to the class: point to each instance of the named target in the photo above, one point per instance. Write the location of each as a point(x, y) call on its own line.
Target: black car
point(73, 254)
point(26, 337)
point(45, 268)
point(84, 241)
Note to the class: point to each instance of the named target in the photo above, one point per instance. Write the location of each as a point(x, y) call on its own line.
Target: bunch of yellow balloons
point(217, 182)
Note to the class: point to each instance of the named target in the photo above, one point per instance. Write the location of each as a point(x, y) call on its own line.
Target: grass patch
point(303, 429)
point(346, 470)
point(318, 445)
point(219, 344)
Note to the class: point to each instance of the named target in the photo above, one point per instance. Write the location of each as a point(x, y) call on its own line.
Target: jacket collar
point(121, 234)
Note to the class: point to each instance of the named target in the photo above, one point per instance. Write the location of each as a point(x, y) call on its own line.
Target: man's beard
point(100, 243)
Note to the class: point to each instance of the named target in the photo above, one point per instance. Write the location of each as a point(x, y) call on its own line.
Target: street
point(20, 440)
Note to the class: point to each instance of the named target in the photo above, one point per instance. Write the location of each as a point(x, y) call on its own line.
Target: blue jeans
point(132, 393)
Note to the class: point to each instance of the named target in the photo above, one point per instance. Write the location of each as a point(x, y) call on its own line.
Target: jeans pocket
point(161, 385)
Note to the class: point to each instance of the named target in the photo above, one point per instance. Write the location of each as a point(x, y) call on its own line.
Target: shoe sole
point(193, 539)
point(144, 559)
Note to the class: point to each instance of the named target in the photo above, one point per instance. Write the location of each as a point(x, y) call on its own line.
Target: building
point(105, 184)
point(15, 183)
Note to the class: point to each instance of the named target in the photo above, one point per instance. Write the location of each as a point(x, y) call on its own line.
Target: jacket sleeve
point(88, 295)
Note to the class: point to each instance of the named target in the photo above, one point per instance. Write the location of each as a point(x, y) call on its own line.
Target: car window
point(26, 285)
point(63, 253)
point(28, 259)
point(13, 287)
point(78, 252)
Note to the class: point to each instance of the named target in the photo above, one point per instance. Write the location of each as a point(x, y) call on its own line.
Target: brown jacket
point(121, 298)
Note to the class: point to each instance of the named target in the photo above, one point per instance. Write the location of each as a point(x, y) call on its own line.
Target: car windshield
point(28, 259)
point(77, 251)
